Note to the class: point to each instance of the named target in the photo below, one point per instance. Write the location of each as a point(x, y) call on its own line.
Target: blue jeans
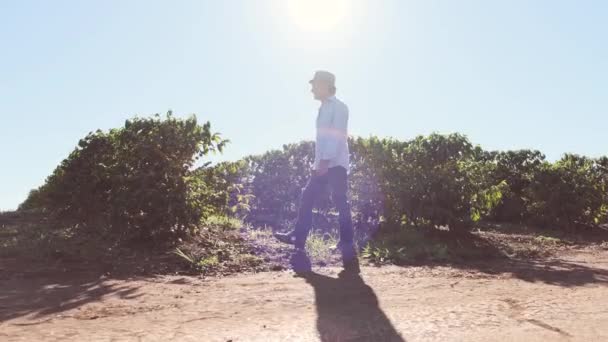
point(336, 178)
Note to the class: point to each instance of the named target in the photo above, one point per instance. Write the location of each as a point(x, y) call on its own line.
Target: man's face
point(320, 90)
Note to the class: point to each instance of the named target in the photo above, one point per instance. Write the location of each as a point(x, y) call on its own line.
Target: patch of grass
point(403, 247)
point(225, 257)
point(208, 263)
point(548, 240)
point(186, 256)
point(249, 259)
point(379, 253)
point(219, 248)
point(223, 222)
point(319, 246)
point(260, 233)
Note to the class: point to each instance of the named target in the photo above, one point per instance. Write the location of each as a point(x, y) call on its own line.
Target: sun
point(317, 15)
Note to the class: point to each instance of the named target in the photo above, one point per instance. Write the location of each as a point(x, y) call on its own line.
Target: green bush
point(275, 179)
point(219, 189)
point(517, 169)
point(435, 181)
point(134, 181)
point(569, 192)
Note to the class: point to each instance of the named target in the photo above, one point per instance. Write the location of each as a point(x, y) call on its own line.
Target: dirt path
point(556, 300)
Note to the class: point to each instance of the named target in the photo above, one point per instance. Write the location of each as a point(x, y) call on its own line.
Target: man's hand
point(323, 168)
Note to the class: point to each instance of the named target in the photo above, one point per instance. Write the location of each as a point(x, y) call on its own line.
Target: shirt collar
point(330, 99)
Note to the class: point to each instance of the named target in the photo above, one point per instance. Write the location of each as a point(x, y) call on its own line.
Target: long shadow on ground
point(348, 309)
point(553, 272)
point(489, 259)
point(44, 297)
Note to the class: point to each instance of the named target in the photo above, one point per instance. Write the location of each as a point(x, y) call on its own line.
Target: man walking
point(331, 167)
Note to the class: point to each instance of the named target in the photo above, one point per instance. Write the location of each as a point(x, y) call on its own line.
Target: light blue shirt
point(332, 134)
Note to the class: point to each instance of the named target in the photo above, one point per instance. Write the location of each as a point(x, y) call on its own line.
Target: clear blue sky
point(509, 74)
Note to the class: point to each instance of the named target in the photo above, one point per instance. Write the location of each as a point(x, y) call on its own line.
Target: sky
point(508, 74)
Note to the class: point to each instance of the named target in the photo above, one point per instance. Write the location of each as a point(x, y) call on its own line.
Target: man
point(331, 167)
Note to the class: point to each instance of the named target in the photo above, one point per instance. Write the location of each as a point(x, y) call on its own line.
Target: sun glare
point(317, 15)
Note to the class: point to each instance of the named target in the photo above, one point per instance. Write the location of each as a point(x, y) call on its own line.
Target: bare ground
point(561, 298)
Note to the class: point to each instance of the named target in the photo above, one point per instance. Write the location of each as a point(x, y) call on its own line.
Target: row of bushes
point(438, 180)
point(139, 181)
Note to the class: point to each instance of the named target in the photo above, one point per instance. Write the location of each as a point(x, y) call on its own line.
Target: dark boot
point(350, 261)
point(300, 263)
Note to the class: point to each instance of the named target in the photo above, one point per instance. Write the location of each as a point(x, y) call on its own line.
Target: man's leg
point(339, 184)
point(304, 222)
